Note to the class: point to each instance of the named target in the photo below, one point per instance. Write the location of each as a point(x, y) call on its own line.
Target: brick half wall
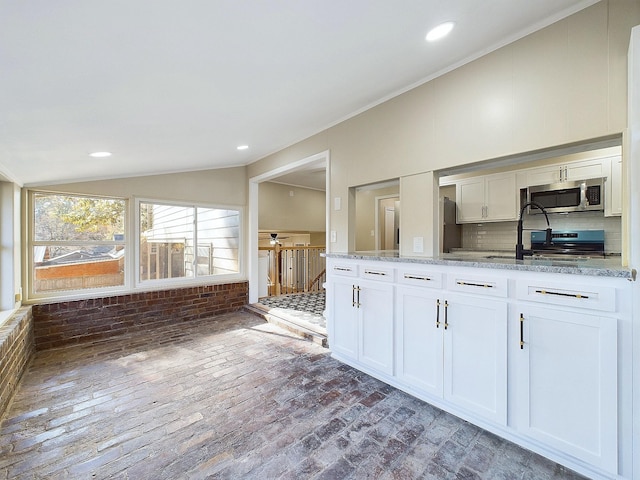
point(101, 319)
point(16, 350)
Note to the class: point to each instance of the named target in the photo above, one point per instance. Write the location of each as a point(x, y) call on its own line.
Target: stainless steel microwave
point(564, 197)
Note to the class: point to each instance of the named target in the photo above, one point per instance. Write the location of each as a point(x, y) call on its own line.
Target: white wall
point(561, 85)
point(365, 215)
point(279, 210)
point(225, 186)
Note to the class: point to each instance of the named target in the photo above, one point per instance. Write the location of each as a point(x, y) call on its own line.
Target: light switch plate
point(337, 203)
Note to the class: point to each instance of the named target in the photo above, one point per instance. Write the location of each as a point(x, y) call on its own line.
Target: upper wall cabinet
point(568, 172)
point(489, 198)
point(613, 189)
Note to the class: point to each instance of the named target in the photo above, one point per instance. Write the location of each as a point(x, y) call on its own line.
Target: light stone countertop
point(607, 267)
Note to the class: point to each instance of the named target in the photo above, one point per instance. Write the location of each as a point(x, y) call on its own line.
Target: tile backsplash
point(503, 235)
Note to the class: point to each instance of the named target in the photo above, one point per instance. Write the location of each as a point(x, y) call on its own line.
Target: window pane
point(76, 267)
point(77, 219)
point(166, 241)
point(218, 241)
point(79, 242)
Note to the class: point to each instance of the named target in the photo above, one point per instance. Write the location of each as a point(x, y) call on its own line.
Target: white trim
point(252, 243)
point(632, 160)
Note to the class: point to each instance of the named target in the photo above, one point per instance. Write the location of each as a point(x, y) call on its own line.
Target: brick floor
point(235, 398)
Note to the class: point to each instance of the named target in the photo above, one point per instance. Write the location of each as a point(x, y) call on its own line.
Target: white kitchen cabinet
point(567, 383)
point(454, 347)
point(361, 321)
point(475, 355)
point(489, 198)
point(557, 382)
point(343, 325)
point(613, 189)
point(567, 172)
point(419, 343)
point(375, 317)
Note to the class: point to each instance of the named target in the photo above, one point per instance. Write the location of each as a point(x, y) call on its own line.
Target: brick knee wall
point(98, 319)
point(16, 350)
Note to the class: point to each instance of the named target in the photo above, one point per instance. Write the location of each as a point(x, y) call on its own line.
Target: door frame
point(252, 244)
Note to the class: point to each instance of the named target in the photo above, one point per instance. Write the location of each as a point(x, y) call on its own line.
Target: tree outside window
point(77, 242)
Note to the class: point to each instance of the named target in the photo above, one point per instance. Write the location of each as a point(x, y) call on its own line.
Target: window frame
point(132, 283)
point(29, 277)
point(196, 280)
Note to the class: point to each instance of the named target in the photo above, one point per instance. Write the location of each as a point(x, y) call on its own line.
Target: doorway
point(320, 160)
point(388, 222)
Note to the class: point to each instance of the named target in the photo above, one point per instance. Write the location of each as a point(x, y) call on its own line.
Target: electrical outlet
point(334, 236)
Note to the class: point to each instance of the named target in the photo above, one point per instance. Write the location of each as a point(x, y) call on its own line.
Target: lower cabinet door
point(343, 317)
point(376, 325)
point(419, 339)
point(475, 355)
point(567, 383)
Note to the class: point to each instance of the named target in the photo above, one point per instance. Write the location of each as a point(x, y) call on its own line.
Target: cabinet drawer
point(420, 279)
point(481, 285)
point(591, 297)
point(378, 273)
point(344, 270)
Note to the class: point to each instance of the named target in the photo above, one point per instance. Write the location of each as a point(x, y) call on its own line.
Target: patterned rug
point(304, 302)
point(310, 306)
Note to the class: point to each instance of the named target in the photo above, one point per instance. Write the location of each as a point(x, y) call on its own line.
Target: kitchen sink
point(506, 257)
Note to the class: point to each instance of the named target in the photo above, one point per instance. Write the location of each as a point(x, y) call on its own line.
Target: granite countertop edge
point(583, 267)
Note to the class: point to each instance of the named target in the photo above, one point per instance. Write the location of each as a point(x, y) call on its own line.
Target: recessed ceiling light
point(440, 31)
point(243, 147)
point(100, 154)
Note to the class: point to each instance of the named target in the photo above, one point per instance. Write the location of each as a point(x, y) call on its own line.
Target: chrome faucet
point(520, 251)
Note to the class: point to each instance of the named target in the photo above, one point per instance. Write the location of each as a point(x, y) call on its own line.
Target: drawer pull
point(372, 272)
point(561, 294)
point(484, 285)
point(416, 277)
point(342, 269)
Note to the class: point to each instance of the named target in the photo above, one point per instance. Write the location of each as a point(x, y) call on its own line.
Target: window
point(76, 243)
point(187, 242)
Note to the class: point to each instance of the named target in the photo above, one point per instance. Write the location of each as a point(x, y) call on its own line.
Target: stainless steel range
point(569, 244)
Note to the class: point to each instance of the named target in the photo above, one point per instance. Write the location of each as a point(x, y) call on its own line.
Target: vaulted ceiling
point(174, 86)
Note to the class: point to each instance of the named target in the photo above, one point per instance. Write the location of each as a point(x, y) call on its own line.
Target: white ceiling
point(172, 86)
